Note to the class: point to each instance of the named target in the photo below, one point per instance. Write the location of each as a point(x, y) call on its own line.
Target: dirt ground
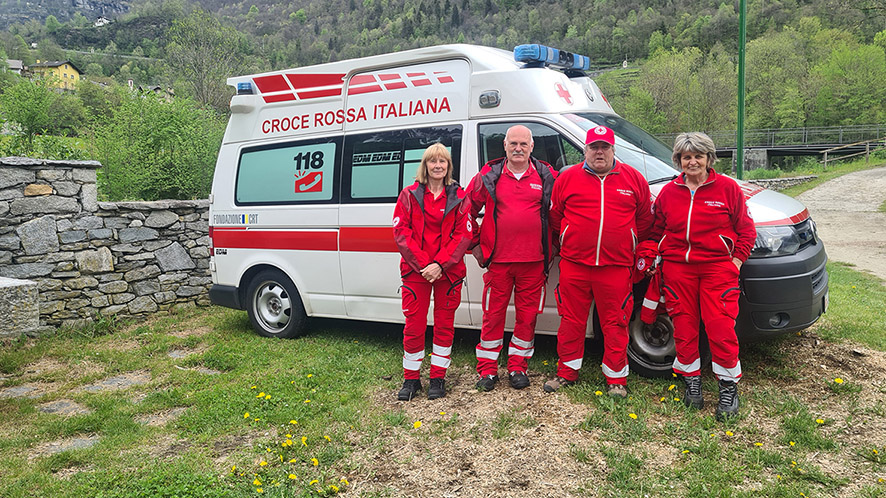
point(534, 459)
point(845, 212)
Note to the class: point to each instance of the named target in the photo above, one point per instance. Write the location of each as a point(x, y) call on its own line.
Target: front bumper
point(782, 294)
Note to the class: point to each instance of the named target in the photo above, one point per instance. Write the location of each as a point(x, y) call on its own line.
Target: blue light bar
point(535, 54)
point(244, 88)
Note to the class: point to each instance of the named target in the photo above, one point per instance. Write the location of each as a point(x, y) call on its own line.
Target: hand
point(432, 272)
point(650, 270)
point(737, 263)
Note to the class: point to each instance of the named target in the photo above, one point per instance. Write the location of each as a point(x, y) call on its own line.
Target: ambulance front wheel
point(274, 306)
point(651, 349)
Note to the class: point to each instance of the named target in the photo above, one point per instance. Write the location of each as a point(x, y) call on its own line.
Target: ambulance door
point(376, 166)
point(553, 147)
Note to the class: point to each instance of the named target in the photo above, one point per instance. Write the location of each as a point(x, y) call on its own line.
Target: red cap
point(600, 134)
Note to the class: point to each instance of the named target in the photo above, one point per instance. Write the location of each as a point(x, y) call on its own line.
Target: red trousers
point(610, 288)
point(416, 294)
point(707, 292)
point(527, 282)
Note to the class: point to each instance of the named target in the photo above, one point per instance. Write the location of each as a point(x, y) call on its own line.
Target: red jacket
point(714, 224)
point(409, 223)
point(600, 220)
point(481, 193)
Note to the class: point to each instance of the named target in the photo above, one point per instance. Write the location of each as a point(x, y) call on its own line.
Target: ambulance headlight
point(776, 241)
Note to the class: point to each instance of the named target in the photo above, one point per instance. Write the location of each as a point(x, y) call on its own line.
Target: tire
point(274, 306)
point(651, 351)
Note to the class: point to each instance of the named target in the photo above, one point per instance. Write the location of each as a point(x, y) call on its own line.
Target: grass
point(297, 416)
point(882, 207)
point(834, 170)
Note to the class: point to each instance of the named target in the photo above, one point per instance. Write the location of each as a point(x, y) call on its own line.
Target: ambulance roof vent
point(535, 55)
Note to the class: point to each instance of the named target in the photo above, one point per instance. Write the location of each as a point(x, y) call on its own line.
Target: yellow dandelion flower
point(853, 286)
point(257, 481)
point(253, 387)
point(876, 452)
point(256, 419)
point(292, 382)
point(417, 424)
point(293, 476)
point(598, 393)
point(281, 458)
point(269, 450)
point(307, 401)
point(730, 433)
point(671, 387)
point(293, 422)
point(713, 435)
point(293, 460)
point(676, 399)
point(304, 441)
point(343, 481)
point(246, 415)
point(259, 490)
point(674, 375)
point(803, 495)
point(838, 380)
point(791, 443)
point(545, 363)
point(310, 375)
point(632, 415)
point(880, 480)
point(327, 438)
point(267, 396)
point(233, 469)
point(819, 421)
point(263, 463)
point(313, 390)
point(260, 395)
point(442, 413)
point(758, 444)
point(793, 463)
point(315, 462)
point(662, 399)
point(333, 488)
point(313, 482)
point(685, 451)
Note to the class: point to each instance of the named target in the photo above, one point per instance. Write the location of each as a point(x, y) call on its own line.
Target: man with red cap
point(600, 209)
point(513, 244)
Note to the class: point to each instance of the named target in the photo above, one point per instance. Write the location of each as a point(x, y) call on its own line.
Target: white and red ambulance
point(313, 159)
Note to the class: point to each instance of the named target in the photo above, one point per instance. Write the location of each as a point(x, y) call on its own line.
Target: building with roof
point(65, 73)
point(15, 65)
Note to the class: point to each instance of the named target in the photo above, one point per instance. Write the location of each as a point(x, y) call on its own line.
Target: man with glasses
point(600, 209)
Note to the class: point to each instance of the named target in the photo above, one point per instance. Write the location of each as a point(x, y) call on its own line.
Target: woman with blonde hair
point(432, 229)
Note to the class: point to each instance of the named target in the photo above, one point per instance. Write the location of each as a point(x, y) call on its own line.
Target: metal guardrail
point(775, 137)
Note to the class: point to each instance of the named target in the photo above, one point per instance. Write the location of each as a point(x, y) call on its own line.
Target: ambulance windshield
point(633, 146)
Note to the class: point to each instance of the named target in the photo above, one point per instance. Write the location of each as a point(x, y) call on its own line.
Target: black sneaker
point(487, 383)
point(728, 405)
point(693, 397)
point(410, 387)
point(437, 389)
point(518, 380)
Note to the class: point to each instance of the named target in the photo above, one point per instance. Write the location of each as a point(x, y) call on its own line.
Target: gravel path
point(845, 211)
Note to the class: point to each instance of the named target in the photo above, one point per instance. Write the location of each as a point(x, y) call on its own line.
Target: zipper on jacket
point(602, 211)
point(689, 222)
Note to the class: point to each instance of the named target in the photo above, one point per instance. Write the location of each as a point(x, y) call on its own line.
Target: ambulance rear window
point(378, 165)
point(303, 171)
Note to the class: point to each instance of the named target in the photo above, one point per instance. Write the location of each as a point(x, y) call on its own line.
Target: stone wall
point(89, 257)
point(783, 183)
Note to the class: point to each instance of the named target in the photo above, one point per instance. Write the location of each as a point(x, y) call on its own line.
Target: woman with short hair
point(432, 229)
point(705, 233)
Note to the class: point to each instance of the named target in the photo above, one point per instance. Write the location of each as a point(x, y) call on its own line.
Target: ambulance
point(313, 159)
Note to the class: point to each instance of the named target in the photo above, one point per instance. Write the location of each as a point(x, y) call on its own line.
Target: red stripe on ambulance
point(272, 83)
point(298, 240)
point(302, 81)
point(367, 239)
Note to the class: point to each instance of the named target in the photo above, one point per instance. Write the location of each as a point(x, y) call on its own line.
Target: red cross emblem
point(564, 93)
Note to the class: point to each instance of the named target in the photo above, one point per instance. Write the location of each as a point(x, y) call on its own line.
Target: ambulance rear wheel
point(274, 306)
point(651, 350)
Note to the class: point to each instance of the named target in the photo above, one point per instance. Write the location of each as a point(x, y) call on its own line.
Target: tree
point(204, 54)
point(52, 24)
point(26, 104)
point(153, 149)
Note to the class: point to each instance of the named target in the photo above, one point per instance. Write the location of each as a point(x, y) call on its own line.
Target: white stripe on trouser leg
point(512, 351)
point(692, 367)
point(412, 361)
point(521, 343)
point(723, 373)
point(649, 303)
point(491, 344)
point(541, 301)
point(439, 361)
point(489, 355)
point(613, 374)
point(573, 364)
point(441, 351)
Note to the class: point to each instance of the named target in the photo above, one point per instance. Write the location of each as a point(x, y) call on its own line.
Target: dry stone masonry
point(88, 258)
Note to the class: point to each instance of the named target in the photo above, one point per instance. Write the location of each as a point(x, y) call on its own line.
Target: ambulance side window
point(305, 171)
point(550, 146)
point(378, 165)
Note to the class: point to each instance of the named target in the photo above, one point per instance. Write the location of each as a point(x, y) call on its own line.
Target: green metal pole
point(742, 23)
